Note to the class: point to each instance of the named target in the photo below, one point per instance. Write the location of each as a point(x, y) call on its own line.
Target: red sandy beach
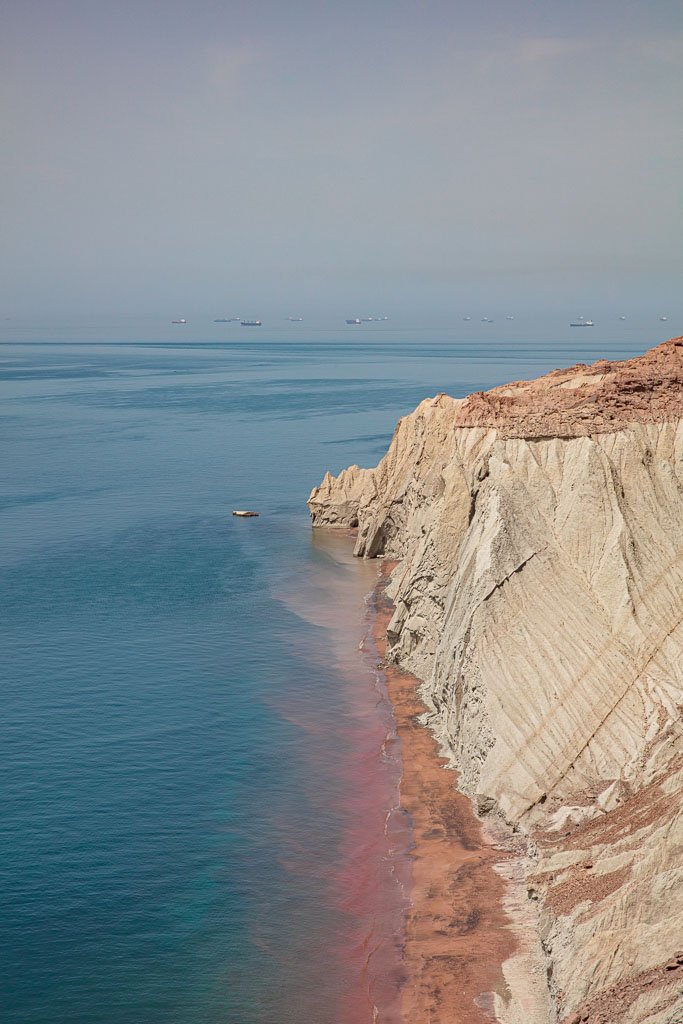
point(456, 931)
point(424, 933)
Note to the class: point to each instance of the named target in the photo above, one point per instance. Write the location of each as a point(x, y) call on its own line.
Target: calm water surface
point(195, 777)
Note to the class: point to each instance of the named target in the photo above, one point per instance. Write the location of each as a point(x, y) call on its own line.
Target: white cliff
point(539, 596)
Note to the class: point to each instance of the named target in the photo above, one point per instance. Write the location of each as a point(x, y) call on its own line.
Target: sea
point(199, 818)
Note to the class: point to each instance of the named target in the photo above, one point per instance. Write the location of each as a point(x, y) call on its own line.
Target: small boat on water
point(582, 323)
point(250, 323)
point(663, 318)
point(183, 321)
point(295, 319)
point(354, 320)
point(245, 513)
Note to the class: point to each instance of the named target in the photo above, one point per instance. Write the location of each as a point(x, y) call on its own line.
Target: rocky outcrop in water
point(539, 596)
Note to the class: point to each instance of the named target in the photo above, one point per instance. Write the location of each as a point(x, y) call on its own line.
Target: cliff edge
point(538, 529)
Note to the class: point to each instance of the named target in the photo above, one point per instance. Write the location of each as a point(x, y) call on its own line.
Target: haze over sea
point(196, 779)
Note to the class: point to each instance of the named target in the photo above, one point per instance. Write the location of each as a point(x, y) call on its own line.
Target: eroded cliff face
point(539, 596)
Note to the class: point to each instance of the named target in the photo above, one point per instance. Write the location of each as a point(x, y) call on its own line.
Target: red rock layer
point(583, 399)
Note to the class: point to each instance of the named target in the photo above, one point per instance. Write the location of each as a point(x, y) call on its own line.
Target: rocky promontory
point(538, 595)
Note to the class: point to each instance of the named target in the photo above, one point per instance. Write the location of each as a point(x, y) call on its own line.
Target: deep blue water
point(171, 813)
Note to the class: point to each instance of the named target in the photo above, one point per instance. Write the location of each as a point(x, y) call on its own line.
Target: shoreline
point(457, 932)
point(367, 878)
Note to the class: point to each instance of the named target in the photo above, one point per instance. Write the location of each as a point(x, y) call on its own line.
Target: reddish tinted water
point(367, 880)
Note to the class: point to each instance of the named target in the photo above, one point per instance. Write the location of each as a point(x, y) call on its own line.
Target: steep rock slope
point(539, 596)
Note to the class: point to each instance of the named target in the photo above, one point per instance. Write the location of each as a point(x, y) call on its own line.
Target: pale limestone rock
point(539, 595)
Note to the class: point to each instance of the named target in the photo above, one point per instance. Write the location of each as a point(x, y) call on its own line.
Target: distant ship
point(222, 320)
point(467, 318)
point(179, 321)
point(486, 320)
point(354, 320)
point(582, 323)
point(295, 319)
point(663, 318)
point(622, 317)
point(509, 318)
point(250, 323)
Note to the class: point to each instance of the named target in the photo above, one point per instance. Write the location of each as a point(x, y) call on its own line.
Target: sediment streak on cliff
point(539, 596)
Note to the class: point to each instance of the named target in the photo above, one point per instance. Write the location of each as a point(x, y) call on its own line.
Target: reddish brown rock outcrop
point(584, 399)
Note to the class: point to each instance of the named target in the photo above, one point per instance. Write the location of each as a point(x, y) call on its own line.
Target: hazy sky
point(215, 155)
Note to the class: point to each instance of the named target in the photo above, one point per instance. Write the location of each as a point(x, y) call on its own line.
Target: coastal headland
point(531, 608)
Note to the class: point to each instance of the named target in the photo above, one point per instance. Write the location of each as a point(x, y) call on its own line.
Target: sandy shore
point(457, 932)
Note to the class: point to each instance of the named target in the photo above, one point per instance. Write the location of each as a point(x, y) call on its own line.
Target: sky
point(385, 157)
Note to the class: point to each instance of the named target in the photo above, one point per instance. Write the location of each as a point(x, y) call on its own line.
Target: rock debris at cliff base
point(538, 530)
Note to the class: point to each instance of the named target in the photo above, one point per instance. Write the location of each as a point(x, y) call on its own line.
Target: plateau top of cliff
point(582, 399)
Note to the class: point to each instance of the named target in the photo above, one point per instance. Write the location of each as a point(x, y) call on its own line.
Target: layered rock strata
point(538, 530)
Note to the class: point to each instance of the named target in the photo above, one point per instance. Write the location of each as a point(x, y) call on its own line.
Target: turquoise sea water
point(195, 778)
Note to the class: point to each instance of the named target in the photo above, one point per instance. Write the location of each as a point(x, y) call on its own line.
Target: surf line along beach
point(457, 934)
